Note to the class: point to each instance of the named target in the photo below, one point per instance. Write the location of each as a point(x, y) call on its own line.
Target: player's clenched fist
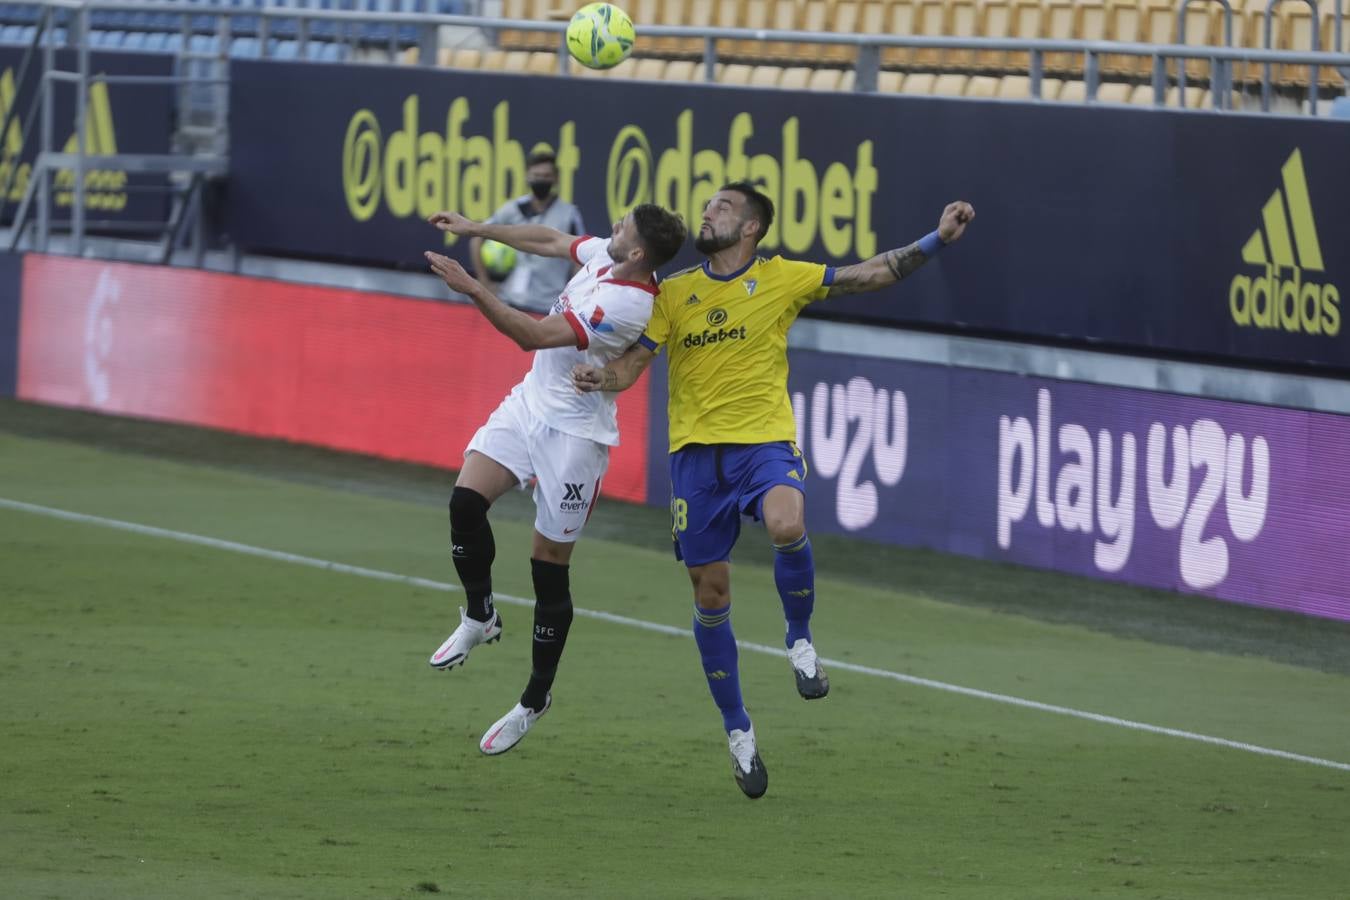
point(453, 222)
point(954, 220)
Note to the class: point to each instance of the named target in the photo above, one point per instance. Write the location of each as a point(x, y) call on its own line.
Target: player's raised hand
point(451, 272)
point(453, 222)
point(587, 378)
point(954, 220)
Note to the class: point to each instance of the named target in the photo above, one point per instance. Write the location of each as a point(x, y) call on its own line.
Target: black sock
point(552, 619)
point(473, 549)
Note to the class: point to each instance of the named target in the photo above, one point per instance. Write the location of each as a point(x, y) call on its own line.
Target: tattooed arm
point(893, 265)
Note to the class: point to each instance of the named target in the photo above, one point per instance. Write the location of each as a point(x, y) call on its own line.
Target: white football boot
point(468, 635)
point(812, 682)
point(507, 731)
point(746, 764)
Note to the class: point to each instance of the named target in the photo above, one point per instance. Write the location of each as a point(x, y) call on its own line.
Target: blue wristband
point(930, 244)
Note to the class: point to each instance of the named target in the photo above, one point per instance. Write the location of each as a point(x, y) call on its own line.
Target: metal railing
point(867, 66)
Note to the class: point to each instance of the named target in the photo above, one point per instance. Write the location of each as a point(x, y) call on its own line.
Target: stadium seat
point(684, 71)
point(765, 76)
point(897, 18)
point(1072, 92)
point(734, 73)
point(887, 82)
point(918, 83)
point(824, 80)
point(1018, 87)
point(464, 58)
point(542, 62)
point(645, 69)
point(982, 86)
point(995, 22)
point(930, 20)
point(962, 20)
point(1123, 24)
point(1114, 92)
point(1028, 22)
point(824, 16)
point(795, 78)
point(950, 84)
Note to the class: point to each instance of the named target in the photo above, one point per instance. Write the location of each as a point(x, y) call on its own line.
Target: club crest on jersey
point(597, 321)
point(750, 285)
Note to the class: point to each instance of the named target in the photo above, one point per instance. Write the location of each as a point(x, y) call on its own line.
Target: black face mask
point(541, 189)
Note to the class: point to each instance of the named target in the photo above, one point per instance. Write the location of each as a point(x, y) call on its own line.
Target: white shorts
point(567, 469)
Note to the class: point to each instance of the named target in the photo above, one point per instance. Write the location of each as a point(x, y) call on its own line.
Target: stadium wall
point(123, 118)
point(369, 373)
point(1200, 235)
point(1235, 501)
point(10, 267)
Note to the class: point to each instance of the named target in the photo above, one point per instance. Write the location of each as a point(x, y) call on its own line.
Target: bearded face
point(710, 239)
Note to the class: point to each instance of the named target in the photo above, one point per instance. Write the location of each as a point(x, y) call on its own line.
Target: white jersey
point(608, 316)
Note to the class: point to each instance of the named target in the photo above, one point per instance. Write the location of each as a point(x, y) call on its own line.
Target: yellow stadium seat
point(1028, 23)
point(766, 76)
point(982, 86)
point(494, 60)
point(950, 84)
point(646, 69)
point(675, 12)
point(849, 76)
point(1114, 92)
point(795, 78)
point(1019, 87)
point(930, 20)
point(1073, 92)
point(897, 18)
point(1142, 95)
point(734, 73)
point(824, 80)
point(514, 38)
point(962, 20)
point(1061, 23)
point(995, 22)
point(918, 83)
point(541, 62)
point(1194, 96)
point(684, 71)
point(887, 82)
point(1124, 20)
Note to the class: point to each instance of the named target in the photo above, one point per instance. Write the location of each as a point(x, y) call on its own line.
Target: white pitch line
point(380, 575)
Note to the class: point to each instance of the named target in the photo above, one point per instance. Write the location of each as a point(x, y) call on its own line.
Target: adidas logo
point(1286, 246)
point(105, 189)
point(693, 300)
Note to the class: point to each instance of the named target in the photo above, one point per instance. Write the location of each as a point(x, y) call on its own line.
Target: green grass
point(178, 720)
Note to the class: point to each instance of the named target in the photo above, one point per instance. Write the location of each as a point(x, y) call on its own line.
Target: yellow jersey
point(727, 338)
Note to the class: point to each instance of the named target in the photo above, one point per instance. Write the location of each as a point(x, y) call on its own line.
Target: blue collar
point(734, 275)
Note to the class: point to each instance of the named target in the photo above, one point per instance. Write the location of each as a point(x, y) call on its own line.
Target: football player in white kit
point(546, 430)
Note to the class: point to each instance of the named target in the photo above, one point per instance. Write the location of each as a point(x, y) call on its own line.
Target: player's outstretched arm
point(887, 268)
point(537, 239)
point(616, 375)
point(528, 332)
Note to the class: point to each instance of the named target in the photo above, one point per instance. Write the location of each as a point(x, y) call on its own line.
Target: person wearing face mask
point(536, 281)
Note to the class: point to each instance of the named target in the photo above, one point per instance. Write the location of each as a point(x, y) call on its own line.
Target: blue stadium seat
point(11, 34)
point(156, 42)
point(135, 40)
point(287, 50)
point(245, 47)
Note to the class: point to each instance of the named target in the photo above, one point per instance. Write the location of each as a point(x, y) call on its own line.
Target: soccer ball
point(600, 36)
point(498, 259)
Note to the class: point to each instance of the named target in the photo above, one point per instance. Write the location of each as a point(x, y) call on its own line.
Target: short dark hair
point(758, 204)
point(539, 157)
point(662, 233)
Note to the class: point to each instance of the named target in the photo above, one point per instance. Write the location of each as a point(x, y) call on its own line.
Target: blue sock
point(717, 646)
point(794, 572)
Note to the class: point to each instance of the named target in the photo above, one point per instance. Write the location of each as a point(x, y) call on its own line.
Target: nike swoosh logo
point(570, 530)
